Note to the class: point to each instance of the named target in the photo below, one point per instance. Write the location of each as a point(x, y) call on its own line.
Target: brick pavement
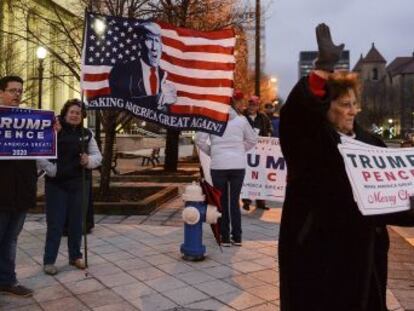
point(401, 266)
point(135, 265)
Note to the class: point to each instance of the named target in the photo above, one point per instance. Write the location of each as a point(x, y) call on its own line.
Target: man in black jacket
point(18, 194)
point(261, 123)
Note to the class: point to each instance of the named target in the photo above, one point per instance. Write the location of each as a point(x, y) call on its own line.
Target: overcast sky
point(290, 28)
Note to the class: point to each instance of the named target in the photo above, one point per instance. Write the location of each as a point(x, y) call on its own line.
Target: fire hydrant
point(196, 211)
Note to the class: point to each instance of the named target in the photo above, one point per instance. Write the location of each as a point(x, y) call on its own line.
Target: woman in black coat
point(330, 256)
point(78, 154)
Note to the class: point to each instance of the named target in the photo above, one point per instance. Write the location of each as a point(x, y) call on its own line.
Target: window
point(375, 74)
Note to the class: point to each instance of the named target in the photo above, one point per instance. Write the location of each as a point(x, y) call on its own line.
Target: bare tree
point(61, 34)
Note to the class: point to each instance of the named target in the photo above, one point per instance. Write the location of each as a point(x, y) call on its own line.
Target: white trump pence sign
point(382, 179)
point(266, 171)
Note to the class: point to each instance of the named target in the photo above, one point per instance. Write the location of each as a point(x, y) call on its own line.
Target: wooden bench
point(114, 160)
point(153, 158)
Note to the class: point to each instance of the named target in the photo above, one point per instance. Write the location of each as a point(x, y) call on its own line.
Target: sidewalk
point(135, 264)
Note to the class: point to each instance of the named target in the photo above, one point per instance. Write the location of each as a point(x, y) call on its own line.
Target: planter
point(127, 200)
point(159, 176)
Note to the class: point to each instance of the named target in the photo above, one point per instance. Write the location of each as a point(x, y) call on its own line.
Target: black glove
point(328, 52)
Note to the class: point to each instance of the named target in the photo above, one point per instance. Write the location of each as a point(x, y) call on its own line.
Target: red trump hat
point(238, 95)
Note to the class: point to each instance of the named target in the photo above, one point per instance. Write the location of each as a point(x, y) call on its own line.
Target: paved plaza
point(135, 264)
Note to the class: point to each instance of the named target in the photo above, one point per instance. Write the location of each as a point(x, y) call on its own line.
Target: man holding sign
point(331, 257)
point(18, 194)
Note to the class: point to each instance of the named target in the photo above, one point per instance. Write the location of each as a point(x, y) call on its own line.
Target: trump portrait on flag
point(177, 77)
point(141, 78)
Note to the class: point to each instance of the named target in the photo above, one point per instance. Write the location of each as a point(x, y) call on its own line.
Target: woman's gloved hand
point(328, 52)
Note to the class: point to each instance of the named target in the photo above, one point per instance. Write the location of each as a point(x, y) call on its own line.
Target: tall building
point(27, 25)
point(387, 98)
point(307, 58)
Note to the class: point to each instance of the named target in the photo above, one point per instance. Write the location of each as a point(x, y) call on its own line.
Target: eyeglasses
point(15, 91)
point(349, 106)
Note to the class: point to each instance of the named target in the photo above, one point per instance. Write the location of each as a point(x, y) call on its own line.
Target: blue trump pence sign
point(27, 134)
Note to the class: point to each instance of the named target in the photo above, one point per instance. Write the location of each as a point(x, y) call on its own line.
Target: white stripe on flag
point(197, 41)
point(184, 101)
point(89, 69)
point(199, 56)
point(221, 91)
point(196, 73)
point(97, 85)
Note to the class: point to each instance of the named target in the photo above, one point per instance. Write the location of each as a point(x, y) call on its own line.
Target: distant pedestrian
point(228, 167)
point(270, 111)
point(63, 186)
point(262, 125)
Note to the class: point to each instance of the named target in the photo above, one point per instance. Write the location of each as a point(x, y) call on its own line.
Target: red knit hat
point(238, 95)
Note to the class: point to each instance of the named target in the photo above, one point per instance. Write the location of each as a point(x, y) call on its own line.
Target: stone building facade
point(387, 95)
point(25, 25)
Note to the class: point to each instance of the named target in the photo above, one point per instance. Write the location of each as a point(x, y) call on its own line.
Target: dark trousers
point(259, 203)
point(11, 224)
point(90, 221)
point(233, 180)
point(63, 201)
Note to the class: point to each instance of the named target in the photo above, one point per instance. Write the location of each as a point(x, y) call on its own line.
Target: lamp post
point(41, 54)
point(391, 127)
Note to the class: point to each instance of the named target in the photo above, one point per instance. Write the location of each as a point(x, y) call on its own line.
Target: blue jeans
point(222, 179)
point(63, 201)
point(11, 224)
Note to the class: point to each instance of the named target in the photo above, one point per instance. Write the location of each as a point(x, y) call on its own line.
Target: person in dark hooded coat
point(330, 256)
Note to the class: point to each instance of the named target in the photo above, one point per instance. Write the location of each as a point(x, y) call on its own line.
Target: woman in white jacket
point(228, 166)
point(63, 186)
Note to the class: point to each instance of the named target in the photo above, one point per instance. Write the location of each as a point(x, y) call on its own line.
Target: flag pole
point(84, 198)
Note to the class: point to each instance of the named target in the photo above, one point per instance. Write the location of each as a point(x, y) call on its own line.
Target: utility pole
point(258, 50)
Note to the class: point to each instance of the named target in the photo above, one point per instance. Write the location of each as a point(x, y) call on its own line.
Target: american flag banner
point(176, 77)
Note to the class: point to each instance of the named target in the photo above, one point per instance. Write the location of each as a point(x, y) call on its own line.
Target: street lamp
point(41, 54)
point(99, 26)
point(273, 85)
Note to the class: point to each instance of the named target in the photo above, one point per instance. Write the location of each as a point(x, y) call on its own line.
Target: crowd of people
point(77, 155)
point(331, 257)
